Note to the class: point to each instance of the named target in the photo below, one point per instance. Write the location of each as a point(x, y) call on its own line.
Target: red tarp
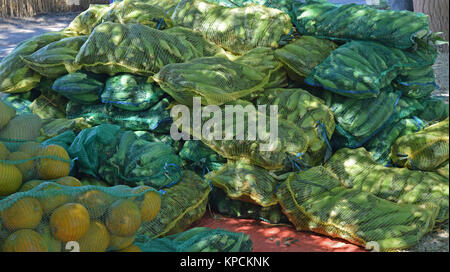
point(265, 236)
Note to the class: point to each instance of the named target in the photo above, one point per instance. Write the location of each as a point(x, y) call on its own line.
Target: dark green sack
point(360, 22)
point(360, 69)
point(434, 109)
point(200, 156)
point(416, 83)
point(156, 118)
point(130, 92)
point(79, 87)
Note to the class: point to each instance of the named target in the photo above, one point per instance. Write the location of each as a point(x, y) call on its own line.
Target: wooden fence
point(28, 8)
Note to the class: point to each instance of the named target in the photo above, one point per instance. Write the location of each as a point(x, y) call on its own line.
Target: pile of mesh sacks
point(87, 156)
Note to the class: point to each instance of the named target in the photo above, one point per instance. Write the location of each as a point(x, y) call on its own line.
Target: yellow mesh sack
point(357, 168)
point(315, 200)
point(86, 21)
point(303, 54)
point(56, 59)
point(216, 80)
point(424, 150)
point(181, 205)
point(139, 12)
point(307, 112)
point(237, 29)
point(15, 75)
point(137, 49)
point(243, 181)
point(55, 218)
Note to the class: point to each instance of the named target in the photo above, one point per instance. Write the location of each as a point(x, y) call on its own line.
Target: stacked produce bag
point(87, 154)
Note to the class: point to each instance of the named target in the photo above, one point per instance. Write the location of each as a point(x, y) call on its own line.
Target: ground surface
point(13, 31)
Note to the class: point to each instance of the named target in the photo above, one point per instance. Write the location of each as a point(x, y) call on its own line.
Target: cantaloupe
point(57, 164)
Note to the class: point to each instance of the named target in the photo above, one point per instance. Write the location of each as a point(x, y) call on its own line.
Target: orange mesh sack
point(424, 150)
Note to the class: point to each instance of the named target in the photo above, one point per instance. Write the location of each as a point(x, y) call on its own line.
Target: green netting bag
point(238, 29)
point(358, 120)
point(434, 109)
point(245, 182)
point(57, 218)
point(24, 160)
point(360, 69)
point(443, 170)
point(215, 79)
point(416, 83)
point(303, 54)
point(56, 59)
point(181, 205)
point(168, 5)
point(156, 118)
point(21, 128)
point(400, 185)
point(380, 145)
point(20, 102)
point(264, 151)
point(139, 12)
point(200, 239)
point(201, 157)
point(131, 93)
point(86, 21)
point(80, 87)
point(135, 161)
point(114, 48)
point(223, 205)
point(15, 75)
point(263, 59)
point(307, 112)
point(359, 22)
point(315, 200)
point(424, 150)
point(54, 127)
point(7, 112)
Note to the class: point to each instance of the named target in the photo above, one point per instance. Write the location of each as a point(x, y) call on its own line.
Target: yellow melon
point(25, 240)
point(132, 248)
point(56, 166)
point(118, 243)
point(4, 152)
point(96, 202)
point(96, 239)
point(10, 179)
point(27, 167)
point(69, 222)
point(123, 218)
point(69, 181)
point(25, 213)
point(30, 185)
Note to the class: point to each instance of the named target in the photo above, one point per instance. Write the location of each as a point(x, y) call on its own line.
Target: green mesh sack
point(262, 151)
point(156, 118)
point(15, 75)
point(86, 21)
point(263, 59)
point(57, 218)
point(135, 161)
point(238, 29)
point(245, 182)
point(223, 205)
point(400, 185)
point(284, 5)
point(25, 160)
point(359, 22)
point(160, 138)
point(24, 127)
point(215, 79)
point(130, 92)
point(424, 150)
point(7, 112)
point(200, 156)
point(56, 59)
point(137, 49)
point(434, 109)
point(315, 200)
point(54, 127)
point(302, 55)
point(181, 205)
point(205, 47)
point(200, 239)
point(139, 12)
point(360, 69)
point(20, 102)
point(416, 83)
point(380, 145)
point(80, 87)
point(307, 112)
point(358, 120)
point(168, 5)
point(443, 170)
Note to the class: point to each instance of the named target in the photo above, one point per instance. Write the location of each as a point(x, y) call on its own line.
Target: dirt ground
point(13, 31)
